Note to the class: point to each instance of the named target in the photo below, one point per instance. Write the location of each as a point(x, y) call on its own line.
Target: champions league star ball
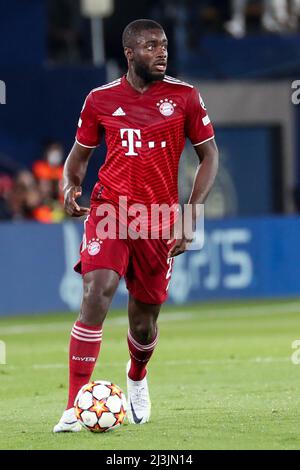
point(100, 406)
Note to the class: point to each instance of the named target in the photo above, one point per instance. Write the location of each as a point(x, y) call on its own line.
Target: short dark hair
point(135, 27)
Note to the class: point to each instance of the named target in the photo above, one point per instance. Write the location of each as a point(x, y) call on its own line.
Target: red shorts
point(144, 263)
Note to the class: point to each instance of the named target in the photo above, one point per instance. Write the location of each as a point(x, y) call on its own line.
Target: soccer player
point(146, 116)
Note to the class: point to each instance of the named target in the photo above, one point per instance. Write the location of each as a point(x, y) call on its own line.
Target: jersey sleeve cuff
point(202, 142)
point(87, 146)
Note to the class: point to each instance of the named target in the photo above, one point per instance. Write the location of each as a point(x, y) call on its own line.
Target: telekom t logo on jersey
point(130, 143)
point(131, 138)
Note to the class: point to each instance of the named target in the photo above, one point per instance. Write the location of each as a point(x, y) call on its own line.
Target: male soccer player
point(145, 116)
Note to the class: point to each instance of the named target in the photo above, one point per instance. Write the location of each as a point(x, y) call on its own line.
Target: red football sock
point(83, 353)
point(140, 355)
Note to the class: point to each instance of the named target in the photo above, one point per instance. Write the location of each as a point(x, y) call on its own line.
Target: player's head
point(145, 47)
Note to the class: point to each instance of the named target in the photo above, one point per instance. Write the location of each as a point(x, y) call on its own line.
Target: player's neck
point(137, 82)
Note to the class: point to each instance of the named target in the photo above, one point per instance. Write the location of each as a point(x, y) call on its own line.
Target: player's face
point(150, 55)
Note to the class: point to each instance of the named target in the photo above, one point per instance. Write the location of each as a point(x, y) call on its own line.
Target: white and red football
point(100, 406)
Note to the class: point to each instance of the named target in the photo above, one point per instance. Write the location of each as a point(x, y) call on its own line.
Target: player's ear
point(128, 53)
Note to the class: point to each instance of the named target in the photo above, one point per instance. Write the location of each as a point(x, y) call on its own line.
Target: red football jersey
point(145, 135)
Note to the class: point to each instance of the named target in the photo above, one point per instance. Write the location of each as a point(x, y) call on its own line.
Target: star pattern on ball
point(89, 387)
point(120, 416)
point(78, 412)
point(96, 428)
point(115, 390)
point(98, 407)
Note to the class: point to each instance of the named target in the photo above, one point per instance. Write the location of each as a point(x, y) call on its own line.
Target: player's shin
point(84, 349)
point(140, 355)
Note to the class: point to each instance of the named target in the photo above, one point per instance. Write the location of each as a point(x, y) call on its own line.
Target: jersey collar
point(134, 92)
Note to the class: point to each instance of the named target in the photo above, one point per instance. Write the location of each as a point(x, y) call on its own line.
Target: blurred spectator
point(211, 16)
point(49, 173)
point(278, 16)
point(6, 186)
point(24, 197)
point(65, 31)
point(8, 169)
point(38, 195)
point(49, 170)
point(294, 15)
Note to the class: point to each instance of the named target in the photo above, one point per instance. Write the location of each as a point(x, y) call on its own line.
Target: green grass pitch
point(221, 378)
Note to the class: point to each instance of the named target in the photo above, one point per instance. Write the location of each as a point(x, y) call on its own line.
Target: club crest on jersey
point(94, 246)
point(166, 107)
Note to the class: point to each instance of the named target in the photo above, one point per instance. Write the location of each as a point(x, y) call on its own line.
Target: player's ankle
point(137, 376)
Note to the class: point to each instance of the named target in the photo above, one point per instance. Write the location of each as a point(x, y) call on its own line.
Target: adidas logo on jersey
point(119, 112)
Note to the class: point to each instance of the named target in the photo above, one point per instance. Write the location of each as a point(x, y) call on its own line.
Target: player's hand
point(71, 206)
point(180, 245)
point(180, 238)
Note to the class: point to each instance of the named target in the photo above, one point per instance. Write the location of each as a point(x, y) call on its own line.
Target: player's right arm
point(74, 172)
point(88, 137)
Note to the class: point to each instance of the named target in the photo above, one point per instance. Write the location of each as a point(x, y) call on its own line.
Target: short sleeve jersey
point(145, 135)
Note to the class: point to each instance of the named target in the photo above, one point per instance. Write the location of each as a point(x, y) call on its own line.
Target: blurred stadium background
point(245, 58)
point(235, 302)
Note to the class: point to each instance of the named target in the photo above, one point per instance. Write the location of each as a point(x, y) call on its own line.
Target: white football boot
point(139, 405)
point(68, 422)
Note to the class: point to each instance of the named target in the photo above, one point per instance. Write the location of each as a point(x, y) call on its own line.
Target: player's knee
point(143, 332)
point(96, 300)
point(96, 293)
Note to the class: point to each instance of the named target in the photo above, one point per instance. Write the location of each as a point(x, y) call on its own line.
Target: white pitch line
point(254, 360)
point(233, 311)
point(238, 310)
point(204, 362)
point(65, 326)
point(35, 328)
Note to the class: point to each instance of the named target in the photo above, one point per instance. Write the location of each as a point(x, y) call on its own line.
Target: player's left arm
point(204, 178)
point(206, 172)
point(199, 130)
